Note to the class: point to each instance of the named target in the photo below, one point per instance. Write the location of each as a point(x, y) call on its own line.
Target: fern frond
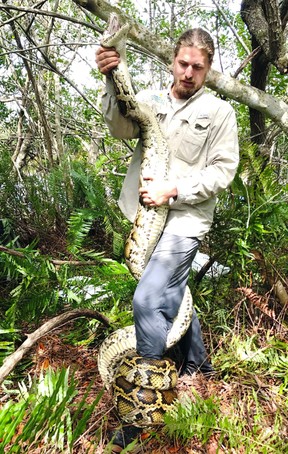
point(79, 225)
point(239, 356)
point(189, 418)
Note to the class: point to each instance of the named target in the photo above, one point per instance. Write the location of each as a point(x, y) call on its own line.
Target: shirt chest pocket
point(193, 138)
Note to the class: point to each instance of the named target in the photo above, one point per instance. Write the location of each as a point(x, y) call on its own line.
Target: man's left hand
point(155, 193)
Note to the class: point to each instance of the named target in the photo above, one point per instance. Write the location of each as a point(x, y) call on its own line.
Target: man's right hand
point(106, 59)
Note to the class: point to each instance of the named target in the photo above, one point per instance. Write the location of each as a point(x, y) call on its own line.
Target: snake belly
point(135, 402)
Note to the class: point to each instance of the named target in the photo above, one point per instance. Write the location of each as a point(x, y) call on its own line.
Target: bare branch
point(12, 360)
point(232, 28)
point(47, 13)
point(273, 108)
point(56, 262)
point(247, 61)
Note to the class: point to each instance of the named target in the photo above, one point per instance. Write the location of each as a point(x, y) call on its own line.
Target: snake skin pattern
point(138, 396)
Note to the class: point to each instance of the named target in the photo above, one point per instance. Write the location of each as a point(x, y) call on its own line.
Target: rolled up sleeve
point(119, 126)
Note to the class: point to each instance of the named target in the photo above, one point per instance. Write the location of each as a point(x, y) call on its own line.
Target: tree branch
point(263, 21)
point(55, 262)
point(275, 109)
point(232, 28)
point(42, 114)
point(247, 61)
point(12, 360)
point(46, 13)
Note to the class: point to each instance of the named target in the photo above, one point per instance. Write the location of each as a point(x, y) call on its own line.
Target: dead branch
point(12, 360)
point(54, 261)
point(247, 61)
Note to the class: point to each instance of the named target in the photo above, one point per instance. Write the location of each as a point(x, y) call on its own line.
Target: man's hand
point(106, 59)
point(154, 194)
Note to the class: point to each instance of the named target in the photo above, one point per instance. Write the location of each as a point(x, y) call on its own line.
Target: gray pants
point(158, 296)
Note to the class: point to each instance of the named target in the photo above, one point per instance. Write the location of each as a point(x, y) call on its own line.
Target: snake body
point(136, 401)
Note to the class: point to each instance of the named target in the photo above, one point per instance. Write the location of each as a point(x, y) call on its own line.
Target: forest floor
point(54, 351)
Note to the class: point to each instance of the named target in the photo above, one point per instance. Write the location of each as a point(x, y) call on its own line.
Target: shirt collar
point(189, 100)
point(186, 113)
point(164, 108)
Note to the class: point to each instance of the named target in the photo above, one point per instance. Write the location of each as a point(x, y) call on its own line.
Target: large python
point(143, 390)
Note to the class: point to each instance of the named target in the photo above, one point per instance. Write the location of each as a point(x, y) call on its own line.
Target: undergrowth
point(255, 417)
point(246, 408)
point(44, 414)
point(245, 411)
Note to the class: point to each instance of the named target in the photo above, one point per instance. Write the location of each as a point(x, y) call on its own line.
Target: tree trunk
point(259, 75)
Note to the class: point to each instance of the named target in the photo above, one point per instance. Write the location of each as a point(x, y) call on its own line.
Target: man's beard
point(182, 92)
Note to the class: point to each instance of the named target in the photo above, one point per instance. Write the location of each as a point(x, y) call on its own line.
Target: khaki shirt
point(202, 137)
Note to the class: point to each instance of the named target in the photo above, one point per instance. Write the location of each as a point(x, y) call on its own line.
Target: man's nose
point(189, 72)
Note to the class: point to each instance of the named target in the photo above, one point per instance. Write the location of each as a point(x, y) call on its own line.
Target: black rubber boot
point(206, 369)
point(124, 436)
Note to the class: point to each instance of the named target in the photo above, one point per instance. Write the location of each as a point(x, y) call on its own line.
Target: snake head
point(113, 24)
point(115, 35)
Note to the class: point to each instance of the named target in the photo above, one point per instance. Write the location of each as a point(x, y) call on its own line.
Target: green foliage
point(89, 190)
point(201, 419)
point(242, 356)
point(35, 288)
point(35, 283)
point(190, 418)
point(31, 279)
point(44, 414)
point(204, 419)
point(71, 194)
point(93, 196)
point(79, 226)
point(251, 216)
point(36, 204)
point(7, 337)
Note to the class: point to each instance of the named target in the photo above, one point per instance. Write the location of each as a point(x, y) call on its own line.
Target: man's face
point(190, 68)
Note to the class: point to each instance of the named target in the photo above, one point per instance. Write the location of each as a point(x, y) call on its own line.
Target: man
point(201, 133)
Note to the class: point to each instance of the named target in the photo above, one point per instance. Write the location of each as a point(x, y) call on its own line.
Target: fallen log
point(12, 360)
